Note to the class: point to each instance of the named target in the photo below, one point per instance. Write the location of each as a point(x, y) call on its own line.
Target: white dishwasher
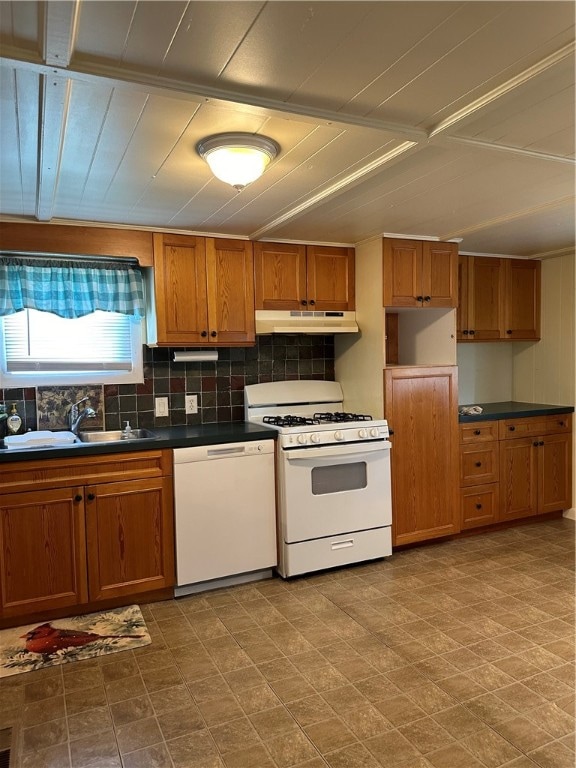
point(225, 514)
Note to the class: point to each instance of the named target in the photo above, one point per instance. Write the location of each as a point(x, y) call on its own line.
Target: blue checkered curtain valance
point(70, 289)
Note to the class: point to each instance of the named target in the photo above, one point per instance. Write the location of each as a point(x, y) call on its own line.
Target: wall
point(219, 385)
point(485, 372)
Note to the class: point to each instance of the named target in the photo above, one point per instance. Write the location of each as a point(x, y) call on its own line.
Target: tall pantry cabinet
point(418, 394)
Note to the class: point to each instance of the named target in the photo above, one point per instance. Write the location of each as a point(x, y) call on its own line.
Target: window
point(42, 349)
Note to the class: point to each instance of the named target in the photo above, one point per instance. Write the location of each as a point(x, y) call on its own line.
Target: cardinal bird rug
point(35, 646)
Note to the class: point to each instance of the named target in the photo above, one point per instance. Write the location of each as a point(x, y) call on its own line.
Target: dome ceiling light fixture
point(237, 158)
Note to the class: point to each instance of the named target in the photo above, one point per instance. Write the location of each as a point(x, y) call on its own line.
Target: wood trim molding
point(81, 240)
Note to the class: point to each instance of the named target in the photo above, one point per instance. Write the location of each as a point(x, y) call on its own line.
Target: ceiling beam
point(492, 145)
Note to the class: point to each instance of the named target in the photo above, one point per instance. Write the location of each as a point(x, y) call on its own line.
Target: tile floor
point(451, 655)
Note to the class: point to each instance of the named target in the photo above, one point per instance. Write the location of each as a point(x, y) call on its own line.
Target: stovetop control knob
point(362, 434)
point(301, 439)
point(314, 437)
point(374, 432)
point(338, 435)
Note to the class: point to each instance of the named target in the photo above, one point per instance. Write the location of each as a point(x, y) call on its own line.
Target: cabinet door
point(180, 288)
point(522, 305)
point(402, 273)
point(462, 310)
point(554, 473)
point(518, 478)
point(280, 276)
point(421, 408)
point(486, 299)
point(330, 278)
point(439, 281)
point(230, 279)
point(42, 551)
point(130, 536)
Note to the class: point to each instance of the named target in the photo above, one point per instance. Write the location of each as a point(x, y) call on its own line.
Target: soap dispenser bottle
point(14, 422)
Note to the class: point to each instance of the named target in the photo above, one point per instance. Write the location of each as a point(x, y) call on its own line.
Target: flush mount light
point(237, 158)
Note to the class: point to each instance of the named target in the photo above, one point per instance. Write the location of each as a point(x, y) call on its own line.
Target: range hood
point(293, 321)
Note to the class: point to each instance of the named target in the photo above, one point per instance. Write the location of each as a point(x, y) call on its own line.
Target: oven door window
point(336, 478)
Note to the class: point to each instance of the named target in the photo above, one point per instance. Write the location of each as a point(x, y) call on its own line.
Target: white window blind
point(100, 347)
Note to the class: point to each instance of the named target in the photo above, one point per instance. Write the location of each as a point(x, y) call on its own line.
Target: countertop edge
point(167, 437)
point(513, 410)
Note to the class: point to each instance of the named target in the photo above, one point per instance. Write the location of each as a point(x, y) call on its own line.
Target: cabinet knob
point(78, 497)
point(541, 442)
point(465, 333)
point(472, 333)
point(478, 506)
point(213, 333)
point(304, 302)
point(561, 424)
point(91, 496)
point(535, 443)
point(419, 298)
point(509, 333)
point(427, 298)
point(477, 432)
point(512, 429)
point(312, 303)
point(204, 334)
point(478, 464)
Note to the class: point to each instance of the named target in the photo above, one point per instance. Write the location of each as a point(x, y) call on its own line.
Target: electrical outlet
point(191, 403)
point(161, 406)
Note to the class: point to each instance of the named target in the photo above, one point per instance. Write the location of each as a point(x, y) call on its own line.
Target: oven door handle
point(342, 450)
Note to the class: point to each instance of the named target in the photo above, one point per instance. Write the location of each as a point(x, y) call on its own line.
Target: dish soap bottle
point(14, 422)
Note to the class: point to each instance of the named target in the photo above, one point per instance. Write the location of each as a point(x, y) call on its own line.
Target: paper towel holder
point(195, 356)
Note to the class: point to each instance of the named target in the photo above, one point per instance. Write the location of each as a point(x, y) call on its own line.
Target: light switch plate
point(161, 406)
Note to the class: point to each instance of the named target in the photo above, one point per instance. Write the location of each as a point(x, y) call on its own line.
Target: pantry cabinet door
point(130, 537)
point(230, 277)
point(486, 297)
point(42, 551)
point(180, 288)
point(522, 291)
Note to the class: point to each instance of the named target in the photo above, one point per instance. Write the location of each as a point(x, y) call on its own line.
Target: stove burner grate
point(339, 417)
point(290, 421)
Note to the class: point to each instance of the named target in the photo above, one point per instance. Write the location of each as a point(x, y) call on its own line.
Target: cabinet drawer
point(535, 425)
point(479, 505)
point(478, 463)
point(479, 432)
point(40, 474)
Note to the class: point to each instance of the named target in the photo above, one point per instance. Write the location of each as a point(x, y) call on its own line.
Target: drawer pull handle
point(561, 424)
point(342, 544)
point(478, 506)
point(477, 432)
point(478, 464)
point(512, 429)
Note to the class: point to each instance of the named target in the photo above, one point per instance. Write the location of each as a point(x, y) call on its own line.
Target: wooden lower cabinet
point(534, 469)
point(78, 545)
point(421, 409)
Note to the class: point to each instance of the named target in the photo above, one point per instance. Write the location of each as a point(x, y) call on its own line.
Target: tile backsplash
point(219, 385)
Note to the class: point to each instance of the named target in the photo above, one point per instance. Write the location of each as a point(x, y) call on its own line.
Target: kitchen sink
point(116, 436)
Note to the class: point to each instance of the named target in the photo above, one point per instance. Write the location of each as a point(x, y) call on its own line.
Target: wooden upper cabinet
point(330, 278)
point(420, 273)
point(480, 315)
point(204, 291)
point(299, 277)
point(522, 305)
point(230, 277)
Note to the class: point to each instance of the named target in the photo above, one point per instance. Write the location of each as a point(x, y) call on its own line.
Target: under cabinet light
point(198, 356)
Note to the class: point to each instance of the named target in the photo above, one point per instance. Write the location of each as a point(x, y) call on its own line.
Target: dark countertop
point(167, 437)
point(514, 410)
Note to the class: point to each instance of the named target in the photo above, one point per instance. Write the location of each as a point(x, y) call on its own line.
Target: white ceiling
point(440, 119)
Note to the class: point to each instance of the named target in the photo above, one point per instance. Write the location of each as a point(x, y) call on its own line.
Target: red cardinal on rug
point(46, 639)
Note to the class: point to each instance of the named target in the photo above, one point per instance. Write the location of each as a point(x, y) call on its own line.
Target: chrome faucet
point(77, 416)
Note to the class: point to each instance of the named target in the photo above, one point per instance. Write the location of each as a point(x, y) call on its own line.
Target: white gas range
point(334, 493)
